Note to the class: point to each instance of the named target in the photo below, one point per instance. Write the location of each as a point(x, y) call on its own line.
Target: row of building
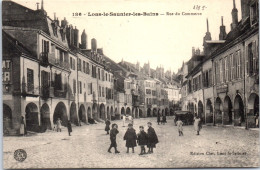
point(48, 74)
point(221, 84)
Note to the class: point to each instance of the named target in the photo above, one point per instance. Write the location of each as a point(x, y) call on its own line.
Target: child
point(130, 137)
point(152, 138)
point(179, 124)
point(142, 139)
point(113, 133)
point(107, 128)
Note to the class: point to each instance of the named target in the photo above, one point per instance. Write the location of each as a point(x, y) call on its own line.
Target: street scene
point(129, 85)
point(87, 147)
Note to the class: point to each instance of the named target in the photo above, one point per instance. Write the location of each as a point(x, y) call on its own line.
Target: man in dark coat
point(158, 118)
point(69, 127)
point(130, 137)
point(152, 138)
point(113, 133)
point(164, 119)
point(142, 139)
point(107, 128)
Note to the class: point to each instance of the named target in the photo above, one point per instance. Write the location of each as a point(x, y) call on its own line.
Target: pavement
point(87, 148)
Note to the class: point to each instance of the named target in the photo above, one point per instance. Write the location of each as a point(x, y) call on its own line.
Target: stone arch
point(253, 109)
point(102, 112)
point(149, 112)
point(218, 111)
point(95, 111)
point(73, 113)
point(61, 113)
point(122, 111)
point(45, 117)
point(239, 116)
point(89, 112)
point(140, 113)
point(209, 112)
point(31, 117)
point(128, 111)
point(7, 119)
point(154, 112)
point(82, 114)
point(108, 113)
point(201, 111)
point(227, 109)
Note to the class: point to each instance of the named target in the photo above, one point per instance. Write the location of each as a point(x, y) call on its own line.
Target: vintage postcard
point(130, 84)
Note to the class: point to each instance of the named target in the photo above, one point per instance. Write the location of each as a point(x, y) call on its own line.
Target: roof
point(11, 45)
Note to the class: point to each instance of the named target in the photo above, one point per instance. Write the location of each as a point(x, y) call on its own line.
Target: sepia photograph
point(130, 84)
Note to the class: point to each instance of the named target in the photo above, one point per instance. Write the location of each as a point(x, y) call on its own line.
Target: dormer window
point(254, 13)
point(54, 28)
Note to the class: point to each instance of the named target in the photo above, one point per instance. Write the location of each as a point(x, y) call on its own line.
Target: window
point(84, 67)
point(58, 82)
point(80, 87)
point(221, 70)
point(45, 81)
point(252, 59)
point(74, 86)
point(102, 75)
point(231, 64)
point(154, 93)
point(90, 88)
point(79, 65)
point(94, 71)
point(226, 69)
point(239, 66)
point(106, 76)
point(103, 92)
point(100, 90)
point(87, 71)
point(45, 46)
point(98, 73)
point(148, 91)
point(254, 13)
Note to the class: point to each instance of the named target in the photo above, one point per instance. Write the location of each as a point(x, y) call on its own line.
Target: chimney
point(222, 33)
point(100, 51)
point(245, 9)
point(70, 34)
point(83, 40)
point(64, 23)
point(234, 16)
point(37, 5)
point(58, 22)
point(42, 5)
point(54, 15)
point(76, 37)
point(93, 45)
point(193, 51)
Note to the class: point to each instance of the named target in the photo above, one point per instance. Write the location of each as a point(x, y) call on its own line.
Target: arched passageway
point(253, 110)
point(209, 112)
point(82, 114)
point(227, 109)
point(7, 119)
point(73, 114)
point(218, 111)
point(239, 116)
point(31, 117)
point(60, 112)
point(45, 117)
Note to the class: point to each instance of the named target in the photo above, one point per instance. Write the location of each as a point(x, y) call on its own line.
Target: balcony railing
point(30, 89)
point(49, 58)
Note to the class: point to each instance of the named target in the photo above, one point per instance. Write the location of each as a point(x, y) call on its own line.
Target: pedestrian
point(23, 130)
point(164, 119)
point(158, 118)
point(257, 119)
point(197, 124)
point(142, 139)
point(179, 125)
point(130, 138)
point(124, 120)
point(113, 132)
point(69, 127)
point(58, 125)
point(107, 128)
point(152, 138)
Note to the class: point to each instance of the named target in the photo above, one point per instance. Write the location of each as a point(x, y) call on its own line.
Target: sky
point(162, 40)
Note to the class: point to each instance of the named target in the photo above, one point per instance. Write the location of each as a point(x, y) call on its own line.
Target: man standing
point(113, 133)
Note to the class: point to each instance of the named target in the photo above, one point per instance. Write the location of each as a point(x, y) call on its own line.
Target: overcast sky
point(163, 40)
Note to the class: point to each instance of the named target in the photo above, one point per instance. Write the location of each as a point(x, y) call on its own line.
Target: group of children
point(143, 139)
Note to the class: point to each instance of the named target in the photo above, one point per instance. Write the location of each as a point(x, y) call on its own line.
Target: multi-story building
point(51, 77)
point(223, 82)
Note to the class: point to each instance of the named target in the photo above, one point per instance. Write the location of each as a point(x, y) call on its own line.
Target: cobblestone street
point(87, 148)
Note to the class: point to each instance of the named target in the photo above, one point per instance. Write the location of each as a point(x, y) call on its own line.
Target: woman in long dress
point(197, 124)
